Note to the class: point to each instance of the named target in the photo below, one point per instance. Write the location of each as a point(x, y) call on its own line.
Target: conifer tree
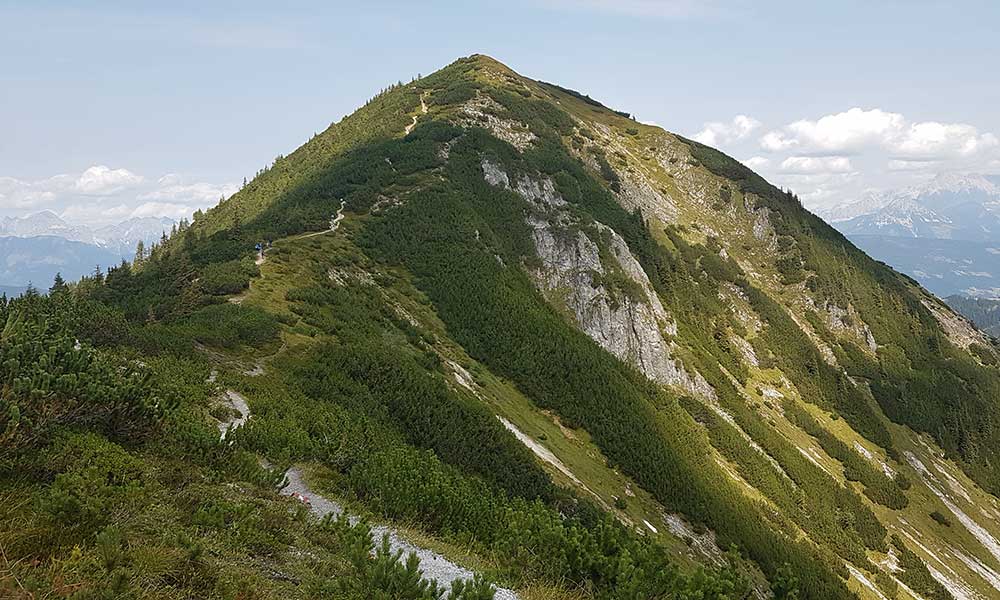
point(58, 284)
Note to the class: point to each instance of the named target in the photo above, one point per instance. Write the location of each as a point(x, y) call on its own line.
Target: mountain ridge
point(693, 362)
point(466, 106)
point(115, 236)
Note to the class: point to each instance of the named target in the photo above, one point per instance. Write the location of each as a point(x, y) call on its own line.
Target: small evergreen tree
point(58, 284)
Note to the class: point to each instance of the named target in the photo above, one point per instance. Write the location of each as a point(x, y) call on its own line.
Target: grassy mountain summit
point(574, 354)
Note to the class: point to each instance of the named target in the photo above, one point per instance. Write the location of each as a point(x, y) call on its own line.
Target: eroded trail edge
point(432, 564)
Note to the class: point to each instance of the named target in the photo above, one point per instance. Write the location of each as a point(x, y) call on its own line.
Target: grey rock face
point(634, 327)
point(848, 320)
point(482, 111)
point(637, 194)
point(494, 175)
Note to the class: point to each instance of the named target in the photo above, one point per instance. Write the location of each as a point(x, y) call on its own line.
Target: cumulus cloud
point(100, 180)
point(811, 165)
point(837, 157)
point(717, 133)
point(15, 193)
point(856, 130)
point(101, 195)
point(177, 198)
point(173, 188)
point(775, 141)
point(913, 165)
point(757, 162)
point(164, 209)
point(932, 140)
point(845, 132)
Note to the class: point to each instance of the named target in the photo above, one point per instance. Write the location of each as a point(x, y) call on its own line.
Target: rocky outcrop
point(494, 175)
point(636, 193)
point(958, 329)
point(630, 324)
point(482, 110)
point(635, 190)
point(847, 320)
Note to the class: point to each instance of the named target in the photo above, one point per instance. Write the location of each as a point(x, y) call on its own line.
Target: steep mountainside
point(579, 355)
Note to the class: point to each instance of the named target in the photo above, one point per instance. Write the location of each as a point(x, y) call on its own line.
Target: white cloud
point(718, 133)
point(15, 193)
point(101, 195)
point(913, 165)
point(97, 180)
point(942, 140)
point(172, 188)
point(775, 141)
point(845, 132)
point(164, 209)
point(90, 212)
point(810, 165)
point(100, 180)
point(835, 158)
point(177, 198)
point(757, 162)
point(857, 130)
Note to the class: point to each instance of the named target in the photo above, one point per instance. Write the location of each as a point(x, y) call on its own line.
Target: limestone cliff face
point(633, 325)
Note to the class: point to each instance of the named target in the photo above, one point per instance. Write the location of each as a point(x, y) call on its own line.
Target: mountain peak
point(501, 295)
point(47, 216)
point(485, 59)
point(956, 182)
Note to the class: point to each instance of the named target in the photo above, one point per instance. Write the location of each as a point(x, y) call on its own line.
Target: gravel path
point(237, 402)
point(334, 223)
point(423, 110)
point(433, 565)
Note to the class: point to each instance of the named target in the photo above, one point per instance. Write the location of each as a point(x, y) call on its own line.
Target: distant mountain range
point(944, 207)
point(945, 232)
point(36, 247)
point(121, 238)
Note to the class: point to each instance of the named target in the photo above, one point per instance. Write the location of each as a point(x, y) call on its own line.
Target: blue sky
point(113, 109)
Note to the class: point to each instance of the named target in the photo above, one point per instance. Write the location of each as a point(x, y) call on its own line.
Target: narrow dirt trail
point(423, 111)
point(334, 223)
point(433, 565)
point(238, 403)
